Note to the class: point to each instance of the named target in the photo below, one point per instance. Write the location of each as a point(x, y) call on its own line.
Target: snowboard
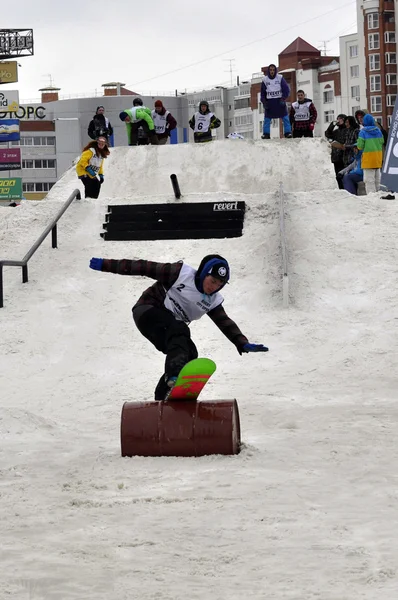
point(192, 379)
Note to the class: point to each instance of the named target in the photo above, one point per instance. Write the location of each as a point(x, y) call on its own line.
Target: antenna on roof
point(323, 47)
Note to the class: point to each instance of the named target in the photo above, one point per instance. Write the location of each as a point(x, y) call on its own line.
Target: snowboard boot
point(266, 136)
point(288, 135)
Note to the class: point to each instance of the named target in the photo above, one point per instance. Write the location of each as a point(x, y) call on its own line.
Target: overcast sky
point(164, 46)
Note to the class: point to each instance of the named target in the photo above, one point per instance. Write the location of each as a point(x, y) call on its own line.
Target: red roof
point(300, 46)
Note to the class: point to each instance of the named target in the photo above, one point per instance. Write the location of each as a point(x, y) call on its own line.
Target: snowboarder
point(274, 92)
point(202, 123)
point(164, 122)
point(180, 295)
point(136, 117)
point(90, 167)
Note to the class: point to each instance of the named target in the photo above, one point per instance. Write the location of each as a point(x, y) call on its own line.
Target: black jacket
point(99, 125)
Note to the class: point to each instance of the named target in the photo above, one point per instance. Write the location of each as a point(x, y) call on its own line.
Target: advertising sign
point(9, 72)
point(10, 159)
point(11, 189)
point(9, 130)
point(9, 101)
point(389, 173)
point(16, 43)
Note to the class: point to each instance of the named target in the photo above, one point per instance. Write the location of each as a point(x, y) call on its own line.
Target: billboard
point(11, 189)
point(9, 130)
point(10, 159)
point(9, 101)
point(389, 172)
point(16, 43)
point(9, 71)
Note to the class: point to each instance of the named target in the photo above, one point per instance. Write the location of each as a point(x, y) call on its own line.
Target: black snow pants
point(169, 336)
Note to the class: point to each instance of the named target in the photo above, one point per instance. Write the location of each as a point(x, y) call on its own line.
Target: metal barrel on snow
point(180, 428)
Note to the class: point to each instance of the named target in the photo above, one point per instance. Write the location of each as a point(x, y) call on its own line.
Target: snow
point(308, 510)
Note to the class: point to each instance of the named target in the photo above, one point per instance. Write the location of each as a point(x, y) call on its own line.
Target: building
point(378, 45)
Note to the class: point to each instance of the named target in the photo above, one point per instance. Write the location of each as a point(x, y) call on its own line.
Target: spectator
point(203, 122)
point(353, 174)
point(164, 122)
point(371, 141)
point(359, 115)
point(274, 92)
point(138, 116)
point(90, 166)
point(350, 144)
point(100, 125)
point(303, 116)
point(336, 134)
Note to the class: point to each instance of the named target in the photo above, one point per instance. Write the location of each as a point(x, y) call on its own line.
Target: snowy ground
point(308, 510)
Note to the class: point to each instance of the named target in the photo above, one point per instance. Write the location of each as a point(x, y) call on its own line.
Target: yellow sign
point(9, 72)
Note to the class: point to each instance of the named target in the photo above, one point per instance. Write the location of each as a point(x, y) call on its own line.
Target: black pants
point(169, 336)
point(338, 166)
point(299, 133)
point(153, 138)
point(91, 187)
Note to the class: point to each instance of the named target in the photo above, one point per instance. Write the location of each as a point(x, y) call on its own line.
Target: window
point(391, 98)
point(375, 104)
point(389, 17)
point(27, 164)
point(37, 187)
point(261, 126)
point(391, 58)
point(244, 120)
point(353, 51)
point(328, 116)
point(373, 41)
point(373, 21)
point(379, 120)
point(355, 91)
point(354, 71)
point(37, 141)
point(45, 164)
point(374, 62)
point(375, 83)
point(354, 110)
point(242, 103)
point(389, 37)
point(328, 96)
point(389, 119)
point(391, 79)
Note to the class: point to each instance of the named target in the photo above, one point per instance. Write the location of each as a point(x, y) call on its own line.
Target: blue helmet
point(214, 265)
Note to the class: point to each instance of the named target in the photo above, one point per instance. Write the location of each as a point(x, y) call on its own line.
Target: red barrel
point(180, 428)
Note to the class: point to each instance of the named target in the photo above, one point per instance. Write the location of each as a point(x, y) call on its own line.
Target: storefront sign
point(11, 189)
point(9, 72)
point(10, 159)
point(9, 130)
point(26, 112)
point(9, 101)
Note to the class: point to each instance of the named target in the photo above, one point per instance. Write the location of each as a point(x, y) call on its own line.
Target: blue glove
point(96, 264)
point(91, 171)
point(101, 178)
point(253, 348)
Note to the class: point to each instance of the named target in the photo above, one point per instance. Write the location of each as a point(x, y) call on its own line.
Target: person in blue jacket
point(353, 174)
point(274, 93)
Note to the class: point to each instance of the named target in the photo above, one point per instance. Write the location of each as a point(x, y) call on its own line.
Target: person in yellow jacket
point(90, 166)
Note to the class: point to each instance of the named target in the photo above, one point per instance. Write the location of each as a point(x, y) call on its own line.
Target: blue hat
point(214, 265)
point(123, 115)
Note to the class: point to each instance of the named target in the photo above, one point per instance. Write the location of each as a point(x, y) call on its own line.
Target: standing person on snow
point(274, 93)
point(203, 122)
point(99, 125)
point(164, 122)
point(90, 166)
point(336, 133)
point(180, 295)
point(371, 141)
point(303, 116)
point(138, 116)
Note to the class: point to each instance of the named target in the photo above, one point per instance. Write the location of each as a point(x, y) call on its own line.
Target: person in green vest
point(136, 117)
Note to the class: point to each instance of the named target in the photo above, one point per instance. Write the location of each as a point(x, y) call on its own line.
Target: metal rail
point(24, 262)
point(285, 281)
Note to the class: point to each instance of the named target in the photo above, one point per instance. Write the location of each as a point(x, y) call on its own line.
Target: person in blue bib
point(274, 93)
point(180, 295)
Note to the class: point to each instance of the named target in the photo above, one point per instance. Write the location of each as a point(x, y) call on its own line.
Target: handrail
point(285, 283)
point(24, 262)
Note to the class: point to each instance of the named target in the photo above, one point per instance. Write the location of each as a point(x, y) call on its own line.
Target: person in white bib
point(180, 295)
point(274, 93)
point(90, 167)
point(164, 122)
point(303, 116)
point(203, 122)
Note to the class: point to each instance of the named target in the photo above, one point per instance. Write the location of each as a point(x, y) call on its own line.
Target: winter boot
point(288, 135)
point(266, 136)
